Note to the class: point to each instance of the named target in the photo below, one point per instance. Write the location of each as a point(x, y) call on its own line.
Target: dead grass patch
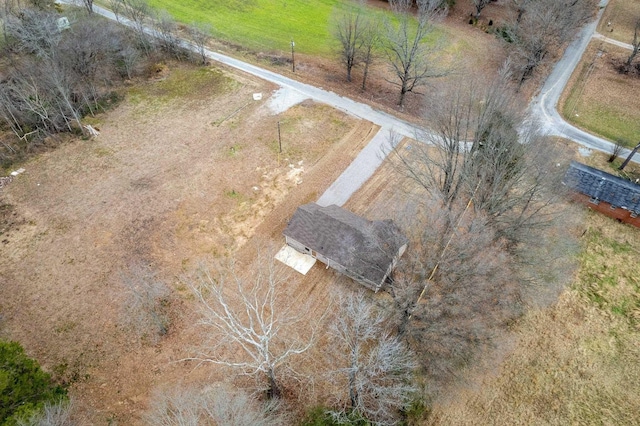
point(576, 362)
point(619, 19)
point(600, 100)
point(165, 183)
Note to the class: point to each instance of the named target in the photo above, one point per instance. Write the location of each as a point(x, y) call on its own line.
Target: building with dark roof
point(612, 195)
point(366, 251)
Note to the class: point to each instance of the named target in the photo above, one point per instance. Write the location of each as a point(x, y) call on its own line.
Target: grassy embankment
point(619, 19)
point(577, 362)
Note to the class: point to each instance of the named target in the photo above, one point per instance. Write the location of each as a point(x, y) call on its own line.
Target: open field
point(600, 100)
point(186, 170)
point(266, 25)
point(577, 362)
point(619, 20)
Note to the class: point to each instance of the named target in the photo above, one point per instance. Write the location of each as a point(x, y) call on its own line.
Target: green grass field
point(265, 24)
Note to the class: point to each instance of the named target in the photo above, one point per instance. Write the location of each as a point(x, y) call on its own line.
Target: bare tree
point(486, 149)
point(59, 414)
point(32, 31)
point(616, 150)
point(117, 7)
point(410, 56)
point(146, 303)
point(348, 30)
point(166, 31)
point(480, 5)
point(379, 367)
point(210, 407)
point(138, 12)
point(635, 46)
point(200, 34)
point(87, 4)
point(371, 39)
point(247, 314)
point(541, 29)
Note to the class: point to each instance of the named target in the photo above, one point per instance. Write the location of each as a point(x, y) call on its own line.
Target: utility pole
point(623, 165)
point(279, 138)
point(293, 58)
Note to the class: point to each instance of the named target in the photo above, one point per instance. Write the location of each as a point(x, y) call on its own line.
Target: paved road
point(544, 106)
point(599, 36)
point(365, 164)
point(543, 109)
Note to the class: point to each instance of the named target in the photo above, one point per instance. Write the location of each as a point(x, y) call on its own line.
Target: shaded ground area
point(575, 362)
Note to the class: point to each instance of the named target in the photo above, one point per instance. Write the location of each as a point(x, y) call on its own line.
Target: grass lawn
point(577, 362)
point(266, 24)
point(622, 14)
point(600, 100)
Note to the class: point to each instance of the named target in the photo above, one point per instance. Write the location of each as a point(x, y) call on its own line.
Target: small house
point(366, 251)
point(611, 195)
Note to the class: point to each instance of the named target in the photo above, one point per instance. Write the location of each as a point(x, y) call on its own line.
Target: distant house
point(364, 250)
point(611, 195)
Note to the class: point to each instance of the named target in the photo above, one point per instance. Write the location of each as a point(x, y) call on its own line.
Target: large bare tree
point(348, 29)
point(379, 366)
point(412, 59)
point(488, 150)
point(221, 405)
point(455, 289)
point(200, 34)
point(635, 46)
point(247, 313)
point(541, 29)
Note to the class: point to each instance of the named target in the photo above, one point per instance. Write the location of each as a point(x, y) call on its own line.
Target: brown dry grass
point(168, 182)
point(601, 100)
point(576, 362)
point(619, 19)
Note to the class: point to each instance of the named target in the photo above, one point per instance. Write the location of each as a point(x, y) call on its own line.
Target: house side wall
point(605, 208)
point(392, 266)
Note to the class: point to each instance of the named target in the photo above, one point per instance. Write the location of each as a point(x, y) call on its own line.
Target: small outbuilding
point(601, 191)
point(366, 251)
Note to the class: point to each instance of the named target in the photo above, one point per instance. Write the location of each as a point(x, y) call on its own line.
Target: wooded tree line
point(54, 76)
point(485, 192)
point(535, 34)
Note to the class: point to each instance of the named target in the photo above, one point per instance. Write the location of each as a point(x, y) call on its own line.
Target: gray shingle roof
point(603, 186)
point(365, 248)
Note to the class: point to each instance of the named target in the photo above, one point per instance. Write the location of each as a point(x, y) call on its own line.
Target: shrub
point(24, 387)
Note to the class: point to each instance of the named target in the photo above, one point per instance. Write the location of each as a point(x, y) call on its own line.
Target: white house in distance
point(366, 251)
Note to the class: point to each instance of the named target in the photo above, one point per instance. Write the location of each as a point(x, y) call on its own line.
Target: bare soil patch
point(176, 176)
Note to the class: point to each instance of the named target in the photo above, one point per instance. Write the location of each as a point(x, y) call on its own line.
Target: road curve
point(543, 109)
point(544, 106)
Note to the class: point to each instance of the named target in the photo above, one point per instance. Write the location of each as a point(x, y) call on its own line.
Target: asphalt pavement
point(543, 109)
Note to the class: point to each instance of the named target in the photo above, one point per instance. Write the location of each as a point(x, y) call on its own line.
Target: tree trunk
point(273, 391)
